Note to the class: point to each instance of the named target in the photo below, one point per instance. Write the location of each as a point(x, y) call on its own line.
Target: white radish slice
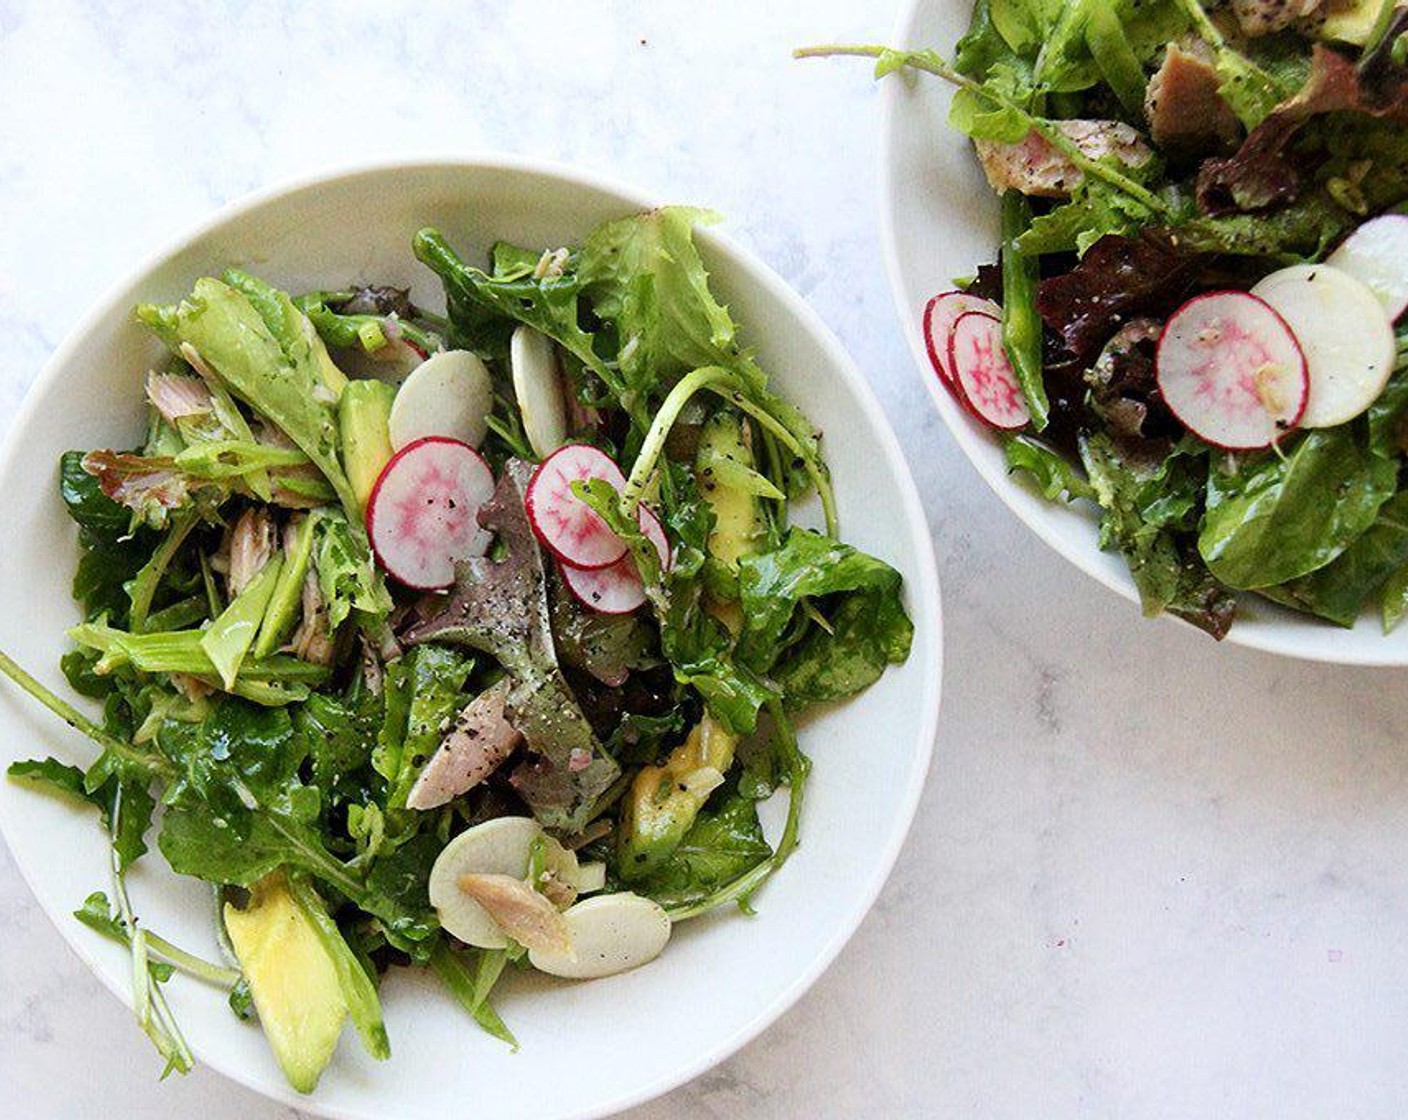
point(591, 877)
point(1376, 254)
point(982, 373)
point(537, 383)
point(939, 316)
point(423, 514)
point(497, 847)
point(571, 529)
point(610, 933)
point(618, 589)
point(1231, 370)
point(449, 394)
point(1345, 334)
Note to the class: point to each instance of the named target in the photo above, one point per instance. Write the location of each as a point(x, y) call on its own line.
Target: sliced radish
point(1376, 254)
point(618, 589)
point(610, 933)
point(1345, 334)
point(591, 877)
point(1231, 370)
point(571, 529)
point(537, 383)
point(423, 514)
point(982, 373)
point(502, 846)
point(449, 394)
point(943, 311)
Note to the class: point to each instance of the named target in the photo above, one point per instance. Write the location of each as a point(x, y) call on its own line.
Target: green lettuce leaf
point(855, 625)
point(1275, 517)
point(1151, 512)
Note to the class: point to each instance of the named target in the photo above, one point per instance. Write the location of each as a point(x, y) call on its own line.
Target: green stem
point(1021, 325)
point(931, 63)
point(164, 952)
point(779, 430)
point(720, 381)
point(148, 1000)
point(659, 430)
point(144, 587)
point(153, 764)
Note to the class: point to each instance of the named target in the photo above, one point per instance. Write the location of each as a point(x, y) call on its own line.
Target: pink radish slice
point(1232, 371)
point(423, 514)
point(571, 529)
point(618, 589)
point(983, 374)
point(939, 316)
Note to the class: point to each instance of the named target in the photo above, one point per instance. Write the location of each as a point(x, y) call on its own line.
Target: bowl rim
point(972, 442)
point(922, 590)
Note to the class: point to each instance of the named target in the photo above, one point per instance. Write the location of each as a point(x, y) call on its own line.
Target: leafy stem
point(889, 60)
point(728, 385)
point(145, 760)
point(148, 1000)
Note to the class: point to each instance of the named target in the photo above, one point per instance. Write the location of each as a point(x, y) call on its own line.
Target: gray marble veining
point(1150, 877)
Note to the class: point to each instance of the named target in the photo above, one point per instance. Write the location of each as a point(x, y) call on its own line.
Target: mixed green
point(1150, 152)
point(372, 774)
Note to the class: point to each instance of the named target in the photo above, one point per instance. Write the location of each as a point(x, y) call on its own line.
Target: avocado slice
point(1350, 21)
point(664, 801)
point(363, 415)
point(723, 470)
point(292, 977)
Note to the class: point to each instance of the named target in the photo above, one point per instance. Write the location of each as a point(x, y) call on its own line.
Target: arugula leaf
point(86, 503)
point(1151, 512)
point(1056, 478)
point(1393, 598)
point(807, 565)
point(1388, 415)
point(347, 574)
point(723, 843)
point(484, 309)
point(106, 571)
point(129, 839)
point(1272, 518)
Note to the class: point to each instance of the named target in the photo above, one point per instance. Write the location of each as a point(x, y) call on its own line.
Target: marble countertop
point(1150, 877)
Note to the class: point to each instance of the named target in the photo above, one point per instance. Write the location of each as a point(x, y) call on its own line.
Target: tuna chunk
point(1264, 17)
point(520, 911)
point(1035, 167)
point(475, 747)
point(251, 547)
point(1187, 115)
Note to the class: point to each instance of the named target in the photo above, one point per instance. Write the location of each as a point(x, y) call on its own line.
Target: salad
point(470, 642)
point(1193, 321)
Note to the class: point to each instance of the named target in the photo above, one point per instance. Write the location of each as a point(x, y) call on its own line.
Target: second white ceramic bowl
point(939, 220)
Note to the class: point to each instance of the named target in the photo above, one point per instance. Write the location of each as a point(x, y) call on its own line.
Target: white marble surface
point(1150, 878)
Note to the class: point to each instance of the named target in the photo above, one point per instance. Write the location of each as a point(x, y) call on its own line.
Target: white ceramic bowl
point(587, 1049)
point(939, 220)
